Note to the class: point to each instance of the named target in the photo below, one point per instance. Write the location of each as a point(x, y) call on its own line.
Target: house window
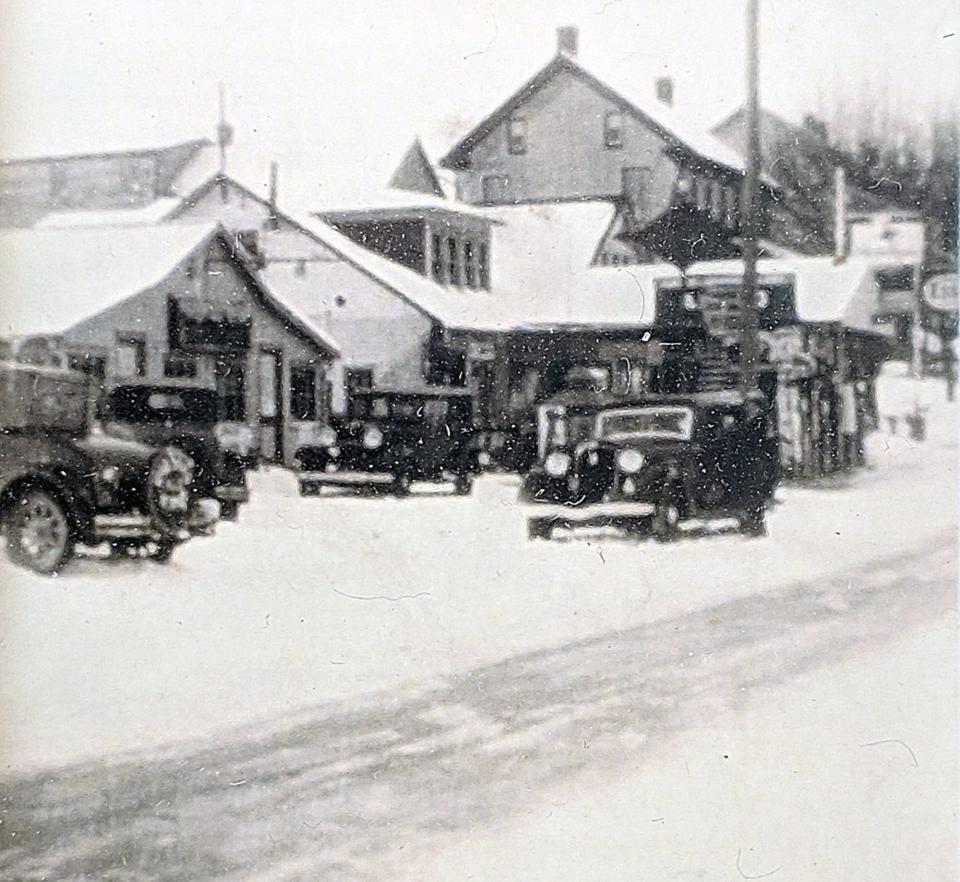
point(702, 194)
point(180, 365)
point(620, 383)
point(517, 135)
point(483, 267)
point(229, 376)
point(613, 130)
point(131, 356)
point(436, 266)
point(303, 392)
point(470, 264)
point(453, 277)
point(716, 201)
point(730, 206)
point(358, 379)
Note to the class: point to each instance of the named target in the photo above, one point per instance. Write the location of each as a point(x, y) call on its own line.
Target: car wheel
point(666, 519)
point(753, 520)
point(163, 552)
point(462, 485)
point(539, 528)
point(38, 531)
point(401, 485)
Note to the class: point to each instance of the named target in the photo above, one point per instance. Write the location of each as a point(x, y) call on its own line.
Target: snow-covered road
point(330, 679)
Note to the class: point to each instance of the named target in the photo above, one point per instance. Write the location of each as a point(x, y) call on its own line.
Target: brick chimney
point(568, 41)
point(274, 174)
point(665, 90)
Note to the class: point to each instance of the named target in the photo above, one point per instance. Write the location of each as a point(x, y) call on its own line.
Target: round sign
point(940, 292)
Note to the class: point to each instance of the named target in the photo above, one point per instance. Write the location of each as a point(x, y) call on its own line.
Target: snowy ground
point(318, 640)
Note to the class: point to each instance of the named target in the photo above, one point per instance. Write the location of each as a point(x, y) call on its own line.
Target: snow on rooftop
point(541, 274)
point(153, 213)
point(316, 177)
point(825, 291)
point(54, 278)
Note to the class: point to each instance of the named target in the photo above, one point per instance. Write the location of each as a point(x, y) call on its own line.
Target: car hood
point(107, 450)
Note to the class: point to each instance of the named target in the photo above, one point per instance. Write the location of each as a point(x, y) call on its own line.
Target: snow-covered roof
point(52, 279)
point(825, 291)
point(541, 274)
point(312, 178)
point(152, 213)
point(687, 128)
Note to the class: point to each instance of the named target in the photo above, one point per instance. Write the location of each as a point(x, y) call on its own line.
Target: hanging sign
point(940, 292)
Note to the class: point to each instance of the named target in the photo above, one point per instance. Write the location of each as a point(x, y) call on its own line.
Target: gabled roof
point(415, 173)
point(53, 279)
point(679, 135)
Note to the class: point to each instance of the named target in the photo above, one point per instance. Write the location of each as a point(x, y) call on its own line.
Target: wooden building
point(178, 303)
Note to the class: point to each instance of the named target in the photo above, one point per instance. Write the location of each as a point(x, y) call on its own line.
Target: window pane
point(303, 393)
point(517, 135)
point(470, 266)
point(613, 130)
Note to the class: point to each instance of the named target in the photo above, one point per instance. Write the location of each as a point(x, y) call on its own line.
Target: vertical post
point(839, 214)
point(918, 337)
point(221, 129)
point(749, 208)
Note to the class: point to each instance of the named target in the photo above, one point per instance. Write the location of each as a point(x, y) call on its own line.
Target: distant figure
point(916, 423)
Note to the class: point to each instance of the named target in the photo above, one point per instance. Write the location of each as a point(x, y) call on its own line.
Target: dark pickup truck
point(185, 417)
point(63, 485)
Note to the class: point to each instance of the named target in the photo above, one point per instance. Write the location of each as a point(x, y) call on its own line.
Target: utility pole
point(749, 208)
point(224, 131)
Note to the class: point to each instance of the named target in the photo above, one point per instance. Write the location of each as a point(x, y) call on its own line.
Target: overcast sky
point(365, 75)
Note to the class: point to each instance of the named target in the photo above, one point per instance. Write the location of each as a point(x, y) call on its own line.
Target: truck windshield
point(146, 405)
point(673, 423)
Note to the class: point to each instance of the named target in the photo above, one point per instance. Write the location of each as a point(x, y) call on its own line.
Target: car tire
point(753, 520)
point(666, 519)
point(39, 533)
point(462, 485)
point(539, 528)
point(163, 552)
point(401, 485)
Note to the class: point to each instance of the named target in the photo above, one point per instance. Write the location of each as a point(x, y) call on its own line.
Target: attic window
point(613, 130)
point(517, 135)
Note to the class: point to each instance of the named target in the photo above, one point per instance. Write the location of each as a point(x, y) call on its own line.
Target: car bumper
point(582, 514)
point(311, 482)
point(204, 514)
point(232, 493)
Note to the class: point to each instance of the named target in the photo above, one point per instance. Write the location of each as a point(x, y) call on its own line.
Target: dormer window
point(517, 135)
point(613, 130)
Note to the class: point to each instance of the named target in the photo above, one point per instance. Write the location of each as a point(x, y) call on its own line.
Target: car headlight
point(327, 437)
point(110, 474)
point(557, 464)
point(630, 461)
point(235, 437)
point(372, 437)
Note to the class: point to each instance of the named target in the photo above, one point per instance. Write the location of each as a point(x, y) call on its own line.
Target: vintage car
point(393, 439)
point(185, 417)
point(654, 461)
point(62, 484)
